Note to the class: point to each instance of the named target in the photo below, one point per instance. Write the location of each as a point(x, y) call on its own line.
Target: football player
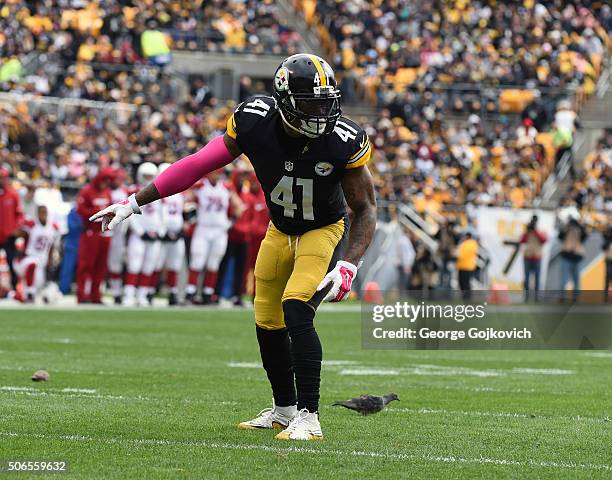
point(42, 235)
point(309, 160)
point(209, 240)
point(144, 245)
point(173, 245)
point(116, 253)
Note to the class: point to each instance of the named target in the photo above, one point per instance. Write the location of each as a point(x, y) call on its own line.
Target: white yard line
point(42, 393)
point(476, 413)
point(444, 370)
point(92, 393)
point(598, 354)
point(11, 388)
point(561, 465)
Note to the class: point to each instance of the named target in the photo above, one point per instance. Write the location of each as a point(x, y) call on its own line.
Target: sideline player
point(173, 244)
point(144, 245)
point(116, 252)
point(309, 159)
point(42, 235)
point(209, 240)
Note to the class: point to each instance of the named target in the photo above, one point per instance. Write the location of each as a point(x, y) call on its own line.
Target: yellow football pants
point(291, 267)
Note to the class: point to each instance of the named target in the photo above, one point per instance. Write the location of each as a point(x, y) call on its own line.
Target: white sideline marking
point(599, 354)
point(68, 393)
point(442, 370)
point(12, 388)
point(476, 413)
point(316, 451)
point(369, 371)
point(543, 371)
point(79, 390)
point(244, 365)
point(326, 363)
point(338, 363)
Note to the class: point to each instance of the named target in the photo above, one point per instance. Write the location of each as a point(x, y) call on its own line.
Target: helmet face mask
point(307, 95)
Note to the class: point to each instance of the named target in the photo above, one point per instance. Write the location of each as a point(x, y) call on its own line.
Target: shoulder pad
point(28, 223)
point(249, 114)
point(354, 142)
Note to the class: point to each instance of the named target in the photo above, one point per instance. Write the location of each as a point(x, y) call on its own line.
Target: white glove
point(116, 213)
point(340, 278)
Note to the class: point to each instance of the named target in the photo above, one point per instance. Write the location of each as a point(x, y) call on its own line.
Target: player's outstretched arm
point(175, 179)
point(359, 193)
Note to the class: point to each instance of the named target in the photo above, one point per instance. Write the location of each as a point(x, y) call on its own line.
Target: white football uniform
point(41, 239)
point(143, 255)
point(172, 252)
point(209, 240)
point(116, 251)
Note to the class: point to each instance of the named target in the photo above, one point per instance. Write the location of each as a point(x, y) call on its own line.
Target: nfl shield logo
point(289, 166)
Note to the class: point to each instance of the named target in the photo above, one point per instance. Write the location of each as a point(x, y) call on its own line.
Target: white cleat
point(304, 426)
point(128, 301)
point(275, 417)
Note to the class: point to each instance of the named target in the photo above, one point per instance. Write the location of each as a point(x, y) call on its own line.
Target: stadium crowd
point(116, 31)
point(442, 168)
point(546, 43)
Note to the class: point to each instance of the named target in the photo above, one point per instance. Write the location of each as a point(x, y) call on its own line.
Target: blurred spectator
point(11, 216)
point(424, 268)
point(405, 258)
point(526, 134)
point(533, 239)
point(447, 245)
point(566, 117)
point(156, 46)
point(572, 235)
point(607, 248)
point(467, 256)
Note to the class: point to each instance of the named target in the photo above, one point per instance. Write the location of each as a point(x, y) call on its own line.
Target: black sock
point(275, 349)
point(306, 352)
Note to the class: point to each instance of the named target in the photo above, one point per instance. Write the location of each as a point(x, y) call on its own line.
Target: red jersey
point(91, 199)
point(260, 217)
point(11, 213)
point(240, 231)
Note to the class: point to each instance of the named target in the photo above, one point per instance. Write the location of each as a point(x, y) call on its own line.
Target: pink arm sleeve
point(183, 174)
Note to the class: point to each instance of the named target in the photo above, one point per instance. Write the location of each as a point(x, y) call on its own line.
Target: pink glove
point(340, 278)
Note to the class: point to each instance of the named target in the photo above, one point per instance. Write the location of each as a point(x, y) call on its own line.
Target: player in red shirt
point(94, 244)
point(11, 216)
point(238, 242)
point(260, 220)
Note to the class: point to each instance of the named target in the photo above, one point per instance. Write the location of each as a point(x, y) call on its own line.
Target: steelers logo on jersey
point(323, 168)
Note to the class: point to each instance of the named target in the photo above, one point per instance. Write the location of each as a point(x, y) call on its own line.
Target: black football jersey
point(299, 176)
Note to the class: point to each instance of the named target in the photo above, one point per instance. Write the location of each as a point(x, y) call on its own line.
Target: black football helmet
point(307, 95)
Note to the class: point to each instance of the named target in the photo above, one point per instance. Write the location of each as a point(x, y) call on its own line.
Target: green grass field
point(158, 394)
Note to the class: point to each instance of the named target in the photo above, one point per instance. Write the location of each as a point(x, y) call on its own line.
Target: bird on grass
point(368, 404)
